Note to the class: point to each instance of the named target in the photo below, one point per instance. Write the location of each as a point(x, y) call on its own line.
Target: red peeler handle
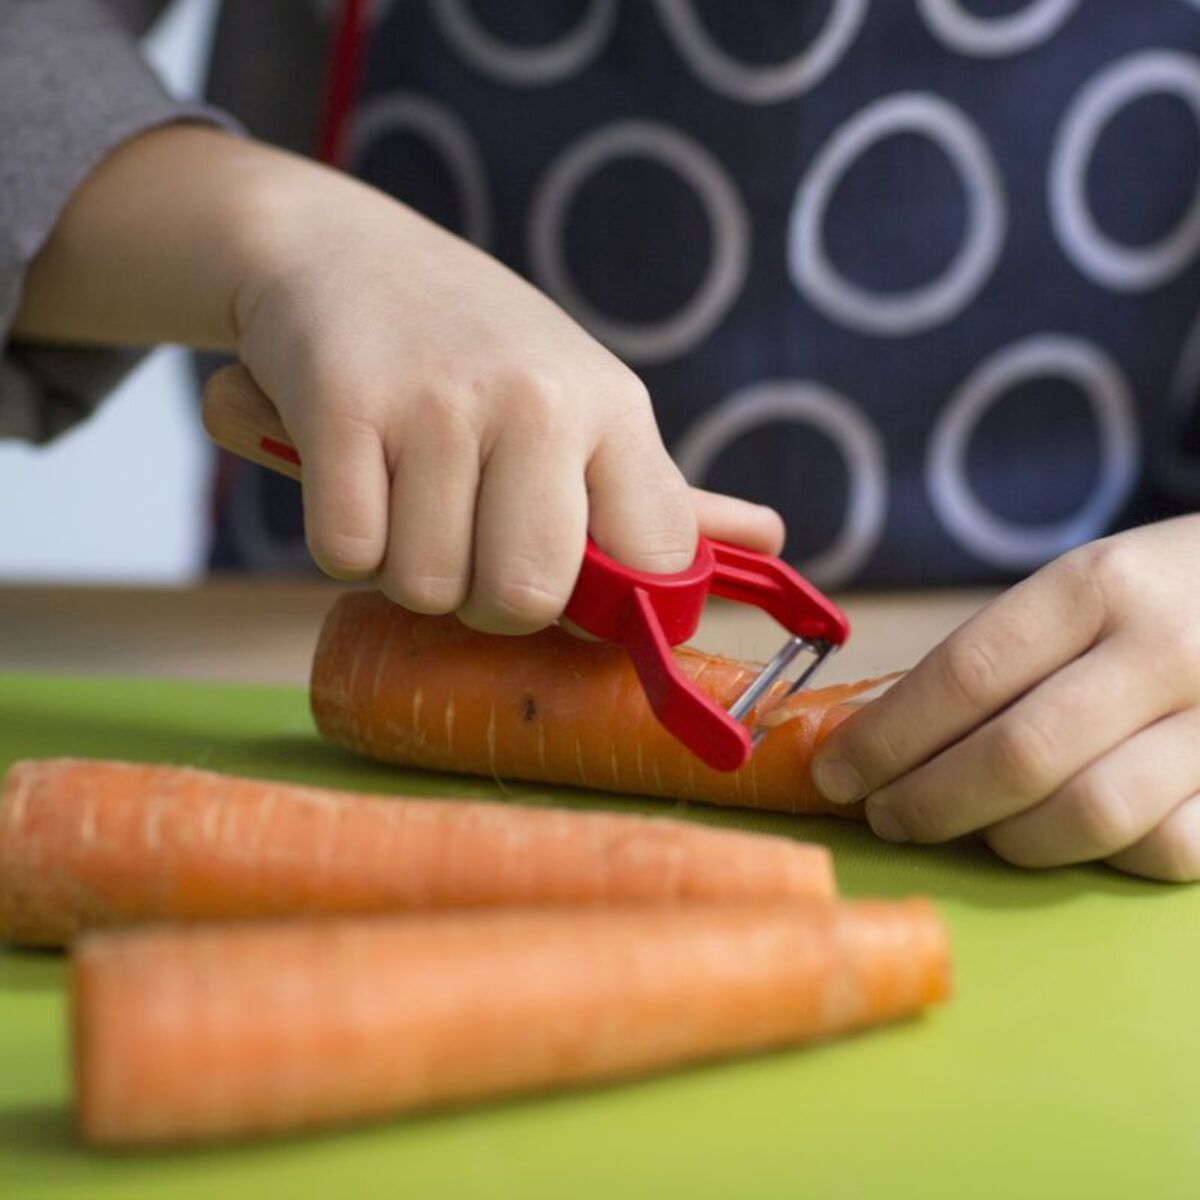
point(770, 584)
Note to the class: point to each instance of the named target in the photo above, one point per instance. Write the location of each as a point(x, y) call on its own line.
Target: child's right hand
point(460, 433)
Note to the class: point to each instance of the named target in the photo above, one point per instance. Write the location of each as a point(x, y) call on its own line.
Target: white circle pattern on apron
point(770, 401)
point(872, 220)
point(933, 304)
point(728, 226)
point(995, 37)
point(1121, 268)
point(525, 66)
point(1010, 544)
point(754, 84)
point(398, 111)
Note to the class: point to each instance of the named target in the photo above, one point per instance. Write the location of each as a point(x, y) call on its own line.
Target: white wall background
point(122, 497)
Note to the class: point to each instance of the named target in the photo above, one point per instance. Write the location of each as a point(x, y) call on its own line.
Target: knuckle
point(445, 417)
point(523, 604)
point(662, 559)
point(928, 817)
point(1103, 818)
point(1178, 859)
point(1075, 566)
point(341, 393)
point(539, 398)
point(632, 396)
point(878, 755)
point(1185, 639)
point(1073, 578)
point(1184, 646)
point(676, 527)
point(919, 821)
point(1172, 852)
point(668, 547)
point(433, 595)
point(872, 750)
point(344, 555)
point(669, 489)
point(1112, 568)
point(1023, 757)
point(659, 552)
point(629, 422)
point(1011, 850)
point(658, 535)
point(970, 671)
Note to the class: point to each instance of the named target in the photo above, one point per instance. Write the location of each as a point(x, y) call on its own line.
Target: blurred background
point(133, 518)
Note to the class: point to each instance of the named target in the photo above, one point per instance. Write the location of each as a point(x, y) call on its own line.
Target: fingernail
point(885, 826)
point(839, 782)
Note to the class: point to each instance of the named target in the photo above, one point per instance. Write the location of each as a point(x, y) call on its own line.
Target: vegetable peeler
point(644, 613)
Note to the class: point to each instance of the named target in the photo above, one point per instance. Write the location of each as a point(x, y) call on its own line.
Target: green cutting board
point(1068, 1063)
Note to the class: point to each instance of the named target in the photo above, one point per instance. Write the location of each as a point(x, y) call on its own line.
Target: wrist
point(276, 216)
point(170, 234)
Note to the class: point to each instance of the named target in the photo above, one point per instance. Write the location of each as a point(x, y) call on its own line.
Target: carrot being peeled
point(429, 692)
point(88, 843)
point(226, 1032)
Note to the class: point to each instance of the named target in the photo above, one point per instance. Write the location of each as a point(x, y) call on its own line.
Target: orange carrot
point(223, 1032)
point(428, 692)
point(86, 843)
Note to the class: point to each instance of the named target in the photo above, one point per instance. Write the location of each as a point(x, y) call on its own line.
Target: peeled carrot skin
point(86, 843)
point(428, 692)
point(189, 1035)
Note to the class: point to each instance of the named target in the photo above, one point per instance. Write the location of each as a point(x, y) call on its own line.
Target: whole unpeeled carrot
point(86, 843)
point(223, 1032)
point(429, 692)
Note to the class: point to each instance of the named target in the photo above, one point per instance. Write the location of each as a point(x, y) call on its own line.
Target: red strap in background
point(341, 89)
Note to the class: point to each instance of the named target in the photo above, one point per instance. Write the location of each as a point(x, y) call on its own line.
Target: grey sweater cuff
point(73, 86)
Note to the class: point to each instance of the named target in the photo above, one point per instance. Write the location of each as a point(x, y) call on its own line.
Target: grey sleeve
point(73, 86)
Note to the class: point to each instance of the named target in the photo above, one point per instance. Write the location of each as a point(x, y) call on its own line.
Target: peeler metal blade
point(744, 705)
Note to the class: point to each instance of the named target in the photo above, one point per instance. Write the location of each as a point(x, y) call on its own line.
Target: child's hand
point(1063, 721)
point(460, 433)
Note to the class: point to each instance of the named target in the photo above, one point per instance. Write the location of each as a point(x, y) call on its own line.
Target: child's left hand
point(1062, 721)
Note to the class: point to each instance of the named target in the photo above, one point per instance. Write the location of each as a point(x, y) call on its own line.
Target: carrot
point(224, 1032)
point(429, 692)
point(86, 843)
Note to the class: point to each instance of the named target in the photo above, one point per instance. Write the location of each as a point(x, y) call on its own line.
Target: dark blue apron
point(925, 275)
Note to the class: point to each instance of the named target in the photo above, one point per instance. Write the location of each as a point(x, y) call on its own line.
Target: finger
point(1019, 639)
point(640, 507)
point(345, 497)
point(729, 519)
point(530, 530)
point(1112, 803)
point(435, 482)
point(1025, 754)
point(1170, 851)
